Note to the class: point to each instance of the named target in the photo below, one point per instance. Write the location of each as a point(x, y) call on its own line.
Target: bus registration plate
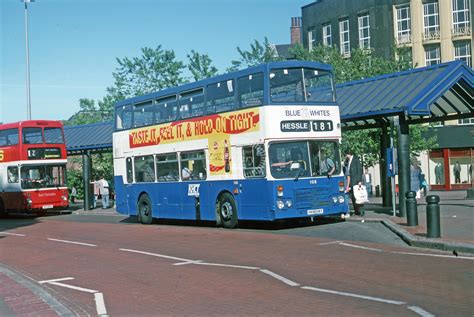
point(47, 206)
point(315, 211)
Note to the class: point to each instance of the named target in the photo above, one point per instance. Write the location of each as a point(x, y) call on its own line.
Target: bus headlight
point(334, 199)
point(280, 204)
point(341, 186)
point(64, 198)
point(29, 202)
point(280, 190)
point(289, 203)
point(341, 199)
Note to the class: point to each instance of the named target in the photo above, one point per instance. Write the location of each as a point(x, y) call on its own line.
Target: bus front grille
point(312, 197)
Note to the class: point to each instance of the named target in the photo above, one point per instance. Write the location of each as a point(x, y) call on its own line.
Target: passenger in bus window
point(185, 174)
point(327, 164)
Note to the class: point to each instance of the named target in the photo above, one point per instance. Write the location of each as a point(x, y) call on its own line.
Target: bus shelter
point(395, 101)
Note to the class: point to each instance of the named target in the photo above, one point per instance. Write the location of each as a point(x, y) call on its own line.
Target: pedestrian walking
point(368, 181)
point(104, 192)
point(457, 172)
point(438, 173)
point(354, 177)
point(415, 174)
point(73, 194)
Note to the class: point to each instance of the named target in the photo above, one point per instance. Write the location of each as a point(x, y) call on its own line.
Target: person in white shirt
point(368, 182)
point(104, 191)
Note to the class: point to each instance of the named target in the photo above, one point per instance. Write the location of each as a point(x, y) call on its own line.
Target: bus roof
point(262, 68)
point(31, 123)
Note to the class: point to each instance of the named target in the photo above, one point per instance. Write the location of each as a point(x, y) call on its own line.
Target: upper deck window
point(123, 117)
point(32, 136)
point(286, 85)
point(143, 114)
point(166, 109)
point(53, 136)
point(220, 96)
point(191, 103)
point(250, 90)
point(9, 137)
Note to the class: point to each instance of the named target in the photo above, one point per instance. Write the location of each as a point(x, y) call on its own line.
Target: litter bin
point(377, 191)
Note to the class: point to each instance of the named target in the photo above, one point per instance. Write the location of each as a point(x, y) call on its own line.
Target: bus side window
point(124, 117)
point(250, 90)
point(144, 169)
point(13, 174)
point(193, 166)
point(254, 161)
point(167, 167)
point(129, 170)
point(220, 96)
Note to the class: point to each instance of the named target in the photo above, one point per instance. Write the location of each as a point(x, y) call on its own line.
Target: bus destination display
point(306, 125)
point(44, 153)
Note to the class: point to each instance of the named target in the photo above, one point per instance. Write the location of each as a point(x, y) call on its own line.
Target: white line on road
point(280, 278)
point(328, 243)
point(100, 304)
point(157, 255)
point(12, 234)
point(420, 311)
point(375, 299)
point(57, 280)
point(435, 255)
point(73, 242)
point(229, 265)
point(77, 288)
point(359, 247)
point(189, 262)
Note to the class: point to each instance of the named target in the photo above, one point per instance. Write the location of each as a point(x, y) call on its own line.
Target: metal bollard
point(433, 217)
point(377, 191)
point(412, 210)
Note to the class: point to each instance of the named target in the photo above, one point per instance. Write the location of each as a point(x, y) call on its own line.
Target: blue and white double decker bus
point(257, 144)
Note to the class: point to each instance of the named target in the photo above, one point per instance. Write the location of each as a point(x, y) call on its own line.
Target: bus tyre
point(227, 211)
point(41, 213)
point(144, 210)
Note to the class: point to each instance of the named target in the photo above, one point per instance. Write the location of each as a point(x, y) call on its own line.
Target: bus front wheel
point(144, 210)
point(227, 211)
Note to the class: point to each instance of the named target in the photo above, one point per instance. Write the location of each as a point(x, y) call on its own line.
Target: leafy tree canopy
point(200, 66)
point(259, 53)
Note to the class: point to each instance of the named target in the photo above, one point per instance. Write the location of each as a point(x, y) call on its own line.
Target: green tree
point(259, 53)
point(200, 66)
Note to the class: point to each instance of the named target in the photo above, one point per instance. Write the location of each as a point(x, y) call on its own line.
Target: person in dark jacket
point(354, 177)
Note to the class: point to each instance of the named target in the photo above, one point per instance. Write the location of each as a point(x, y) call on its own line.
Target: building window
point(461, 18)
point(432, 54)
point(327, 35)
point(364, 32)
point(466, 121)
point(462, 51)
point(311, 39)
point(403, 25)
point(431, 21)
point(344, 39)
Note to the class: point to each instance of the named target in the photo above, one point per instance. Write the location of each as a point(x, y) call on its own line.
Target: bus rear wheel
point(227, 211)
point(144, 210)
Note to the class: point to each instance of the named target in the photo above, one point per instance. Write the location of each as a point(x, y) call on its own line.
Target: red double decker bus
point(32, 167)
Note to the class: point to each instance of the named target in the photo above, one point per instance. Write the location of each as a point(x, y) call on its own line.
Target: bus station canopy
point(435, 93)
point(94, 137)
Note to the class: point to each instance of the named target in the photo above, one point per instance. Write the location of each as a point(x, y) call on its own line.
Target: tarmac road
point(96, 264)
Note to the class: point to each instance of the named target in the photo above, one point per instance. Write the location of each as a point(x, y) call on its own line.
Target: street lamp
point(28, 95)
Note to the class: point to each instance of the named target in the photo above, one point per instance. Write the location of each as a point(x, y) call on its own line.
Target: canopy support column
point(403, 163)
point(86, 173)
point(384, 179)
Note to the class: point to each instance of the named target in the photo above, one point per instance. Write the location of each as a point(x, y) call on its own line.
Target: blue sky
point(74, 43)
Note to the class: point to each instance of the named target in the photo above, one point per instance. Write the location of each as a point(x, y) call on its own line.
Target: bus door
point(194, 189)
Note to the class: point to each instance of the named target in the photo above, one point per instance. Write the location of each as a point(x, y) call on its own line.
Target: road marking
point(375, 299)
point(12, 234)
point(72, 242)
point(189, 262)
point(100, 304)
point(77, 288)
point(280, 278)
point(98, 296)
point(157, 255)
point(229, 265)
point(420, 311)
point(328, 243)
point(435, 255)
point(57, 280)
point(359, 247)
